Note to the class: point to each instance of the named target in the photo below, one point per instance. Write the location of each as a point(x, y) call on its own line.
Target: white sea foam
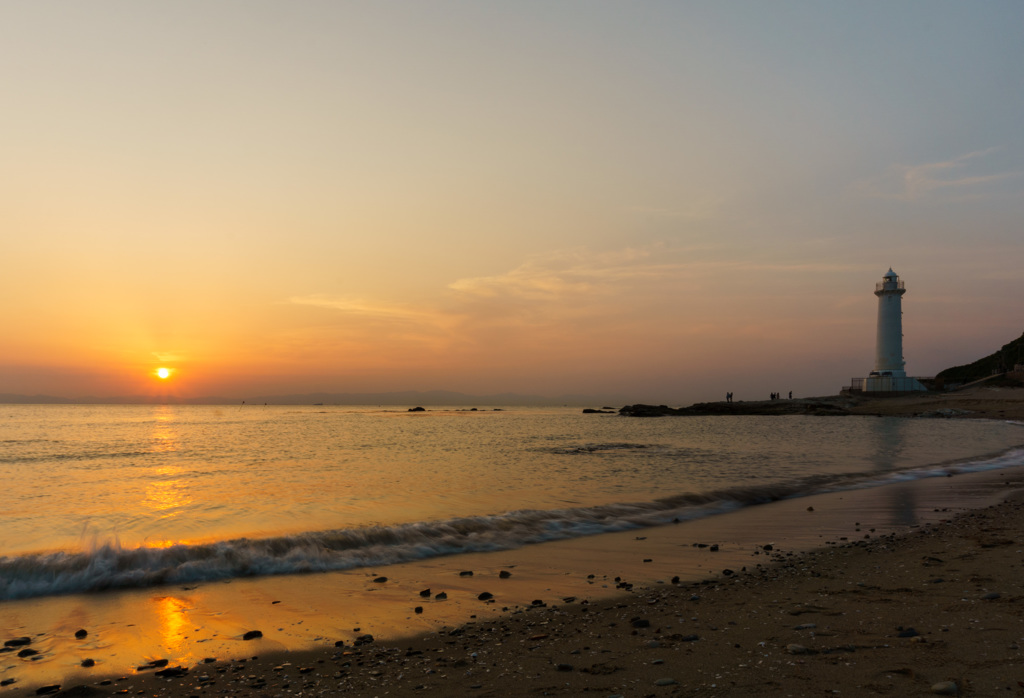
point(113, 487)
point(112, 566)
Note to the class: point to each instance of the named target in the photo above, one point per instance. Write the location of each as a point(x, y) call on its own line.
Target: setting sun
point(163, 373)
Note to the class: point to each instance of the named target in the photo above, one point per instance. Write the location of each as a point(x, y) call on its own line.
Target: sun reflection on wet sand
point(172, 613)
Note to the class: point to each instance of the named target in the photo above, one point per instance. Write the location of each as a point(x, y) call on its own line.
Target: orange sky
point(657, 203)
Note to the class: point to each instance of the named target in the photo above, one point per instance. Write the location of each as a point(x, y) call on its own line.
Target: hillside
point(998, 362)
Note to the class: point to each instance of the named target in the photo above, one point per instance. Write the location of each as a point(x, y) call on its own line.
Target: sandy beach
point(907, 589)
point(971, 403)
point(901, 591)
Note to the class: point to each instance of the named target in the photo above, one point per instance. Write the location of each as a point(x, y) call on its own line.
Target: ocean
point(121, 497)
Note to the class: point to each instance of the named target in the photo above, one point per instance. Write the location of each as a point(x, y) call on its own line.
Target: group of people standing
point(775, 396)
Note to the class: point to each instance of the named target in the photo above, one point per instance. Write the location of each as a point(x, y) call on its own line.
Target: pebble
point(794, 648)
point(991, 596)
point(665, 682)
point(945, 688)
point(79, 634)
point(252, 635)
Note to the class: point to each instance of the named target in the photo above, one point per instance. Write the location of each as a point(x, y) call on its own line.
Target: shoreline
point(593, 635)
point(979, 402)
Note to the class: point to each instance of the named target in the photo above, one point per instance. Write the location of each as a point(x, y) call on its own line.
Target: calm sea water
point(98, 497)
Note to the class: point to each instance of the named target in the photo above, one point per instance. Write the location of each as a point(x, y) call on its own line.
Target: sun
point(163, 373)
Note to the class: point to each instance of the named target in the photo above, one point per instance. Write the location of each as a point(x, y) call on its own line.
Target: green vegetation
point(999, 362)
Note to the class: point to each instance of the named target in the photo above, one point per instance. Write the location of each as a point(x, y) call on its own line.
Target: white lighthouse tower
point(889, 376)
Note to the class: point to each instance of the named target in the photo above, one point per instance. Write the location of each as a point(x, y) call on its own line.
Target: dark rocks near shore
point(810, 406)
point(252, 635)
point(172, 672)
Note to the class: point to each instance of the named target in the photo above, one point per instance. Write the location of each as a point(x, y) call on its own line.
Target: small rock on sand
point(252, 635)
point(945, 688)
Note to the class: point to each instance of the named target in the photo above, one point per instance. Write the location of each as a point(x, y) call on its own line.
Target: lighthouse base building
point(888, 375)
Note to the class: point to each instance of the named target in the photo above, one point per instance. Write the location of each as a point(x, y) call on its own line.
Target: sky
point(656, 201)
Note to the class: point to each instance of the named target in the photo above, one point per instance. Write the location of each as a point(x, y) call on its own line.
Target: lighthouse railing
point(888, 285)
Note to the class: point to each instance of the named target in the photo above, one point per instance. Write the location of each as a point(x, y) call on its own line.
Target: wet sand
point(818, 591)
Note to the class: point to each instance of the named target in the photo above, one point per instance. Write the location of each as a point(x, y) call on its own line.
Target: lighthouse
point(889, 340)
point(889, 375)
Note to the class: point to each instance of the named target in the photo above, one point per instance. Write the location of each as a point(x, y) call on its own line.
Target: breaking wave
point(111, 566)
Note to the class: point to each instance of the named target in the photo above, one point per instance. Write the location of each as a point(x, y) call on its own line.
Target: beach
point(905, 588)
point(878, 606)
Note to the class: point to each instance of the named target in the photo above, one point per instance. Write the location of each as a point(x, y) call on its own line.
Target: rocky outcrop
point(811, 406)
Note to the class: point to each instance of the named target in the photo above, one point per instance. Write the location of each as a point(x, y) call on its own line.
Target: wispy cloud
point(958, 177)
point(168, 356)
point(374, 309)
point(570, 301)
point(564, 275)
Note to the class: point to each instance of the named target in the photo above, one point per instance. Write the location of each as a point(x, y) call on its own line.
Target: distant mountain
point(444, 398)
point(1004, 360)
point(12, 399)
point(431, 398)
